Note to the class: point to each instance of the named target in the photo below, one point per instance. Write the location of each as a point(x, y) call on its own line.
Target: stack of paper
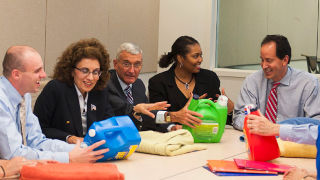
point(259, 165)
point(240, 167)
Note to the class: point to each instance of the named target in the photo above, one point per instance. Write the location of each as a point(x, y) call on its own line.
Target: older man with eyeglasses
point(127, 92)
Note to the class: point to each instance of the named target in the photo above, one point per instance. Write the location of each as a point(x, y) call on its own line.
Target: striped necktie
point(22, 114)
point(129, 94)
point(272, 104)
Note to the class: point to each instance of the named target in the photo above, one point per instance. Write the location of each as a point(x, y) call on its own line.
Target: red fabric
point(65, 171)
point(272, 104)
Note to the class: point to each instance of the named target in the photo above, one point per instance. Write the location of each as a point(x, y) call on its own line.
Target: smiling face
point(128, 66)
point(192, 60)
point(273, 67)
point(33, 73)
point(86, 81)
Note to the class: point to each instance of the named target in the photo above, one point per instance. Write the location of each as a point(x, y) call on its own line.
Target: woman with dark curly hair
point(75, 98)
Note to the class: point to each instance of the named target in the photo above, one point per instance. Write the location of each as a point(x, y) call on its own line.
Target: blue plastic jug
point(121, 135)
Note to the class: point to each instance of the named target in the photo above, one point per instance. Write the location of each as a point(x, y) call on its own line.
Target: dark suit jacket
point(121, 106)
point(58, 110)
point(162, 87)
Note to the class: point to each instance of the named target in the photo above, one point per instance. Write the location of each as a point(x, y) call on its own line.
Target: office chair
point(312, 63)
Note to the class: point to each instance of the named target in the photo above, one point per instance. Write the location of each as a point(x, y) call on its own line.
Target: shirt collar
point(123, 84)
point(79, 93)
point(286, 79)
point(11, 92)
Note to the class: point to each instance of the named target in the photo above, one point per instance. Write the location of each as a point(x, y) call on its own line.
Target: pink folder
point(259, 165)
point(230, 166)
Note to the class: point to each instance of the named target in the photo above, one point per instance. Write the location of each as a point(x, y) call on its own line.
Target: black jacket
point(58, 110)
point(121, 106)
point(162, 87)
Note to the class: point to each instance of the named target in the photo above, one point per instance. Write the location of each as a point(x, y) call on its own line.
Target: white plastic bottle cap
point(223, 100)
point(92, 132)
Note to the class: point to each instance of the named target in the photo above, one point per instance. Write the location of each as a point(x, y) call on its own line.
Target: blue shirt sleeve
point(38, 146)
point(304, 134)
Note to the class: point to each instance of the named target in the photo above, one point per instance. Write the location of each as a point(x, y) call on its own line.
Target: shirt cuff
point(67, 137)
point(160, 119)
point(170, 127)
point(62, 157)
point(139, 119)
point(285, 132)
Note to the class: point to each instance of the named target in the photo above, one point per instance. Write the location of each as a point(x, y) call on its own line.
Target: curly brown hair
point(85, 48)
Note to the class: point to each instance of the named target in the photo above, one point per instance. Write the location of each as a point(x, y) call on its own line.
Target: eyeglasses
point(86, 71)
point(128, 65)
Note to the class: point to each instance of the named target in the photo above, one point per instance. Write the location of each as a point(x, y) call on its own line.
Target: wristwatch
point(168, 118)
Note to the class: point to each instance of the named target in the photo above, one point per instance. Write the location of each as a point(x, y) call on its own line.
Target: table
point(190, 166)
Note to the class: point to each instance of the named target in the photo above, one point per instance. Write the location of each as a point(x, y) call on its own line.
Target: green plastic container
point(213, 120)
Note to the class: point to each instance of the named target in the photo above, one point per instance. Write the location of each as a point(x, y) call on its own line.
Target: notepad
point(259, 165)
point(230, 166)
point(236, 174)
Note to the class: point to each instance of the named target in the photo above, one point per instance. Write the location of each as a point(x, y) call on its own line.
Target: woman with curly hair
point(75, 98)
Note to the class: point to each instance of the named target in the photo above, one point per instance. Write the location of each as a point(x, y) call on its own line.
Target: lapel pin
point(93, 107)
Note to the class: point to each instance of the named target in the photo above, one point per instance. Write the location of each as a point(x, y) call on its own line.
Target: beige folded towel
point(292, 149)
point(168, 144)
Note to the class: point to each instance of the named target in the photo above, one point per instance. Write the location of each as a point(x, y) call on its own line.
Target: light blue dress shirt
point(38, 146)
point(299, 130)
point(298, 96)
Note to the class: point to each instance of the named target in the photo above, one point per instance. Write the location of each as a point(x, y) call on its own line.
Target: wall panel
point(71, 20)
point(22, 23)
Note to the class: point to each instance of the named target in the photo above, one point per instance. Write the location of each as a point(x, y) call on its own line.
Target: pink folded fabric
point(64, 171)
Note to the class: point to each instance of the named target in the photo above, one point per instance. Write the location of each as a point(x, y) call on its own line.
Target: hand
point(262, 126)
point(176, 127)
point(295, 174)
point(13, 166)
point(74, 139)
point(185, 116)
point(85, 155)
point(230, 103)
point(145, 108)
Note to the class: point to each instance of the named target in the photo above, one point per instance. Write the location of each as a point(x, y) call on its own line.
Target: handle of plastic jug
point(206, 101)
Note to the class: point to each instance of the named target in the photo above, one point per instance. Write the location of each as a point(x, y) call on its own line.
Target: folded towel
point(168, 144)
point(65, 171)
point(292, 149)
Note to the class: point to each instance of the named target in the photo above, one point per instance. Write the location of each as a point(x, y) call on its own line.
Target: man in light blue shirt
point(298, 92)
point(22, 72)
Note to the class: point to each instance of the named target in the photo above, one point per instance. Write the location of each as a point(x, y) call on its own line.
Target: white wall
point(186, 17)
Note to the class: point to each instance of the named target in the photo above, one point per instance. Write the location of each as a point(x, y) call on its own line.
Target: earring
point(180, 65)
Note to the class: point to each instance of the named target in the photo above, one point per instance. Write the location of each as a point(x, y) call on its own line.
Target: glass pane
point(243, 24)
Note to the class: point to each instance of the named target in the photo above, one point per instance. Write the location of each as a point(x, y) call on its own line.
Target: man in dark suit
point(127, 92)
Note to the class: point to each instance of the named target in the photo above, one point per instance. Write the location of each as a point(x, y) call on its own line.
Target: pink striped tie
point(271, 109)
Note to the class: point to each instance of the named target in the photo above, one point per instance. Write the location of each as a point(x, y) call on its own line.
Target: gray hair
point(130, 48)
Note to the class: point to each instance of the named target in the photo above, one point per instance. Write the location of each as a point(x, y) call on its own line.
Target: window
point(242, 25)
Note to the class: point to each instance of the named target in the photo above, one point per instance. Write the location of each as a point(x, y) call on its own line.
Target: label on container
point(126, 154)
point(207, 129)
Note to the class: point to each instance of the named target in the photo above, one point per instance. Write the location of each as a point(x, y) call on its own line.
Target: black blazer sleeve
point(44, 109)
point(157, 89)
